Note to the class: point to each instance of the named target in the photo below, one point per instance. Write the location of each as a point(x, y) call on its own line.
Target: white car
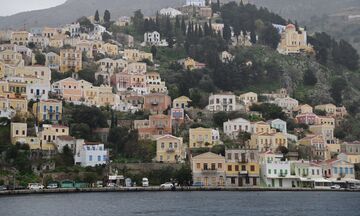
point(52, 186)
point(167, 185)
point(35, 186)
point(335, 187)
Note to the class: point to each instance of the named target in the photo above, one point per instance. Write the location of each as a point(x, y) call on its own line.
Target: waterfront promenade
point(157, 189)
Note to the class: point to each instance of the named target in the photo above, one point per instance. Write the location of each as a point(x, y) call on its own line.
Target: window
point(197, 165)
point(162, 145)
point(90, 157)
point(335, 170)
point(252, 168)
point(229, 168)
point(229, 156)
point(219, 165)
point(205, 166)
point(269, 171)
point(237, 168)
point(17, 132)
point(99, 158)
point(213, 166)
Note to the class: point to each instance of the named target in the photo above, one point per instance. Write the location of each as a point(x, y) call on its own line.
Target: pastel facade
point(327, 131)
point(134, 55)
point(232, 128)
point(20, 38)
point(157, 103)
point(156, 126)
point(48, 110)
point(203, 137)
point(293, 41)
point(49, 133)
point(52, 61)
point(91, 154)
point(181, 102)
point(268, 141)
point(249, 98)
point(208, 169)
point(317, 144)
point(70, 60)
point(18, 132)
point(169, 149)
point(222, 102)
point(242, 168)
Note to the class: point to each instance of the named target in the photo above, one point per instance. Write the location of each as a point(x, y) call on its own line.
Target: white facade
point(277, 173)
point(61, 141)
point(199, 3)
point(233, 127)
point(171, 12)
point(74, 29)
point(90, 154)
point(288, 103)
point(279, 124)
point(222, 102)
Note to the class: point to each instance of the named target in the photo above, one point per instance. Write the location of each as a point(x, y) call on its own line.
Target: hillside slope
point(73, 9)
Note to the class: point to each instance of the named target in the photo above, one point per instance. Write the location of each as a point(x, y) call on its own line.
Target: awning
point(306, 179)
point(322, 180)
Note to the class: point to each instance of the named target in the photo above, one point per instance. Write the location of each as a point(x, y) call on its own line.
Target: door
point(240, 182)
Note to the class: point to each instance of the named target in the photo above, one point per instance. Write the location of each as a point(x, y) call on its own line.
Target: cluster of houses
point(129, 86)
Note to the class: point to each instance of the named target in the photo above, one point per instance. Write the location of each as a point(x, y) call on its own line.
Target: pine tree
point(177, 23)
point(97, 17)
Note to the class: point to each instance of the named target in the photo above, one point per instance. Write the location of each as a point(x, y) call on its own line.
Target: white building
point(90, 154)
point(73, 29)
point(233, 127)
point(171, 12)
point(288, 104)
point(279, 125)
point(199, 3)
point(223, 102)
point(152, 38)
point(275, 172)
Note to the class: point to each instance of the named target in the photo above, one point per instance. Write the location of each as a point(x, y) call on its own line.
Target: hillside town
point(100, 94)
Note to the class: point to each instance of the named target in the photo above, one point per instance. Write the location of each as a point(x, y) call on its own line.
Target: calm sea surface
point(183, 204)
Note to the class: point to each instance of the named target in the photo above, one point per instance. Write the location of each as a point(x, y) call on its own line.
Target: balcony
point(282, 175)
point(154, 103)
point(170, 150)
point(209, 171)
point(242, 160)
point(160, 126)
point(243, 172)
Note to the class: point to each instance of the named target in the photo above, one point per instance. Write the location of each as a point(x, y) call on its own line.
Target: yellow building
point(242, 167)
point(293, 41)
point(169, 149)
point(332, 150)
point(20, 38)
point(249, 98)
point(305, 109)
point(85, 47)
point(261, 127)
point(328, 108)
point(134, 55)
point(48, 110)
point(18, 132)
point(208, 169)
point(70, 60)
point(2, 69)
point(181, 102)
point(49, 133)
point(111, 49)
point(17, 103)
point(324, 120)
point(11, 58)
point(99, 95)
point(268, 141)
point(203, 137)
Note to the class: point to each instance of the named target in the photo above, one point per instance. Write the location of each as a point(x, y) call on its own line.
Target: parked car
point(35, 186)
point(111, 185)
point(198, 184)
point(145, 182)
point(167, 185)
point(128, 182)
point(3, 187)
point(337, 187)
point(355, 187)
point(52, 186)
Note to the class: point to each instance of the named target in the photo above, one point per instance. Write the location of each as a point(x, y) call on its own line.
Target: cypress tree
point(97, 17)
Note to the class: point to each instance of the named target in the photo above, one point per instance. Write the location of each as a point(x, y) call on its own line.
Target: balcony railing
point(170, 150)
point(282, 175)
point(243, 160)
point(209, 171)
